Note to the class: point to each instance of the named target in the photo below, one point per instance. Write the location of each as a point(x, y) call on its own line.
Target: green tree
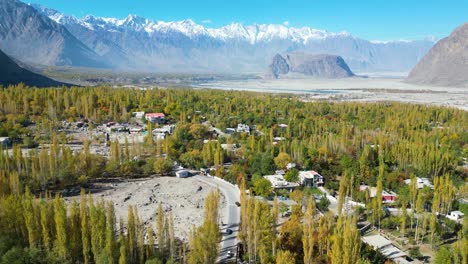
point(282, 160)
point(162, 166)
point(262, 187)
point(292, 175)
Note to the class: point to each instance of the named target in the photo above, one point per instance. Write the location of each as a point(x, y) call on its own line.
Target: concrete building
point(456, 215)
point(243, 128)
point(387, 249)
point(311, 178)
point(278, 182)
point(421, 182)
point(157, 118)
point(138, 115)
point(182, 174)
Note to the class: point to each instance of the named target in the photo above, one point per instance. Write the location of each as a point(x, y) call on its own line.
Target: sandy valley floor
point(353, 89)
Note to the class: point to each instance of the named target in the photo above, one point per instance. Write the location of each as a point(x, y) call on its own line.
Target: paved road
point(230, 217)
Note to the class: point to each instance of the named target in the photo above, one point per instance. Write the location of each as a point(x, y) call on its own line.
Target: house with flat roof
point(278, 182)
point(456, 215)
point(311, 178)
point(386, 247)
point(421, 182)
point(243, 128)
point(138, 115)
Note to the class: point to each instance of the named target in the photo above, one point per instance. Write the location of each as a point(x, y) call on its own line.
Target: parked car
point(238, 204)
point(228, 231)
point(229, 254)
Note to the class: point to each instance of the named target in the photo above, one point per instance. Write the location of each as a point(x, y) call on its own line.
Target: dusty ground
point(180, 196)
point(353, 89)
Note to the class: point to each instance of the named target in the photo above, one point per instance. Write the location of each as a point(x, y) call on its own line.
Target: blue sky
point(369, 19)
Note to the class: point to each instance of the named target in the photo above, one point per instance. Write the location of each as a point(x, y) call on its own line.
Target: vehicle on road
point(228, 231)
point(229, 254)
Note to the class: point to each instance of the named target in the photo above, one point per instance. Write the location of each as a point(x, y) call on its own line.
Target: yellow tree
point(285, 257)
point(308, 239)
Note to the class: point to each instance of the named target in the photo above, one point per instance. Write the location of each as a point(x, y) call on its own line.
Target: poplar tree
point(85, 227)
point(150, 235)
point(308, 239)
point(404, 215)
point(75, 232)
point(60, 218)
point(160, 230)
point(111, 245)
point(30, 220)
point(131, 235)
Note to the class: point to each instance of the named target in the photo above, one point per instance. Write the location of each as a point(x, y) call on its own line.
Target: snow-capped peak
point(234, 31)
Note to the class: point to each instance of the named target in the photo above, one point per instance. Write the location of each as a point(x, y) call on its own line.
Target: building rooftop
point(384, 245)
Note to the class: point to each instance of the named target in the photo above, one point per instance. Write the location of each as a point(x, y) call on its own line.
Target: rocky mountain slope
point(446, 64)
point(317, 66)
point(30, 36)
point(11, 74)
point(142, 44)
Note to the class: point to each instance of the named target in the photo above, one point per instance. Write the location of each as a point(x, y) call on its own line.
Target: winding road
point(230, 217)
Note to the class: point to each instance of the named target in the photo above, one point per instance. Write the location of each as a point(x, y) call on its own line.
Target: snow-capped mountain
point(139, 43)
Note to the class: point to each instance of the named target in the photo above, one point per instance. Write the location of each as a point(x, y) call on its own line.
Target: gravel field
point(183, 197)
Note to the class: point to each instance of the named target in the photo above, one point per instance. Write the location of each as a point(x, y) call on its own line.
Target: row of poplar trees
point(306, 237)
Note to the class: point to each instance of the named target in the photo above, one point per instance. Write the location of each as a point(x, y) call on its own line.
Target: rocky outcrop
point(31, 37)
point(446, 64)
point(317, 66)
point(11, 74)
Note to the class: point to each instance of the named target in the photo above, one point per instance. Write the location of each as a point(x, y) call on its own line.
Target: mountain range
point(11, 74)
point(40, 35)
point(446, 64)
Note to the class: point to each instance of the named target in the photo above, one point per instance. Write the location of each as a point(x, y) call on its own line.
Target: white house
point(421, 182)
point(455, 215)
point(311, 178)
point(138, 115)
point(243, 128)
point(182, 174)
point(278, 182)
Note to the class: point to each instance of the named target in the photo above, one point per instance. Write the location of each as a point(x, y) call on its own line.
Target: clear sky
point(369, 19)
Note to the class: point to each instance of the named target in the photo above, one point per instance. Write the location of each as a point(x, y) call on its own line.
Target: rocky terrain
point(317, 66)
point(446, 64)
point(11, 73)
point(31, 37)
point(183, 197)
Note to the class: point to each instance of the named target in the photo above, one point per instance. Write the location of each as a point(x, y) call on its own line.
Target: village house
point(182, 174)
point(421, 182)
point(387, 196)
point(311, 178)
point(306, 178)
point(456, 215)
point(243, 128)
point(138, 115)
point(278, 182)
point(157, 118)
